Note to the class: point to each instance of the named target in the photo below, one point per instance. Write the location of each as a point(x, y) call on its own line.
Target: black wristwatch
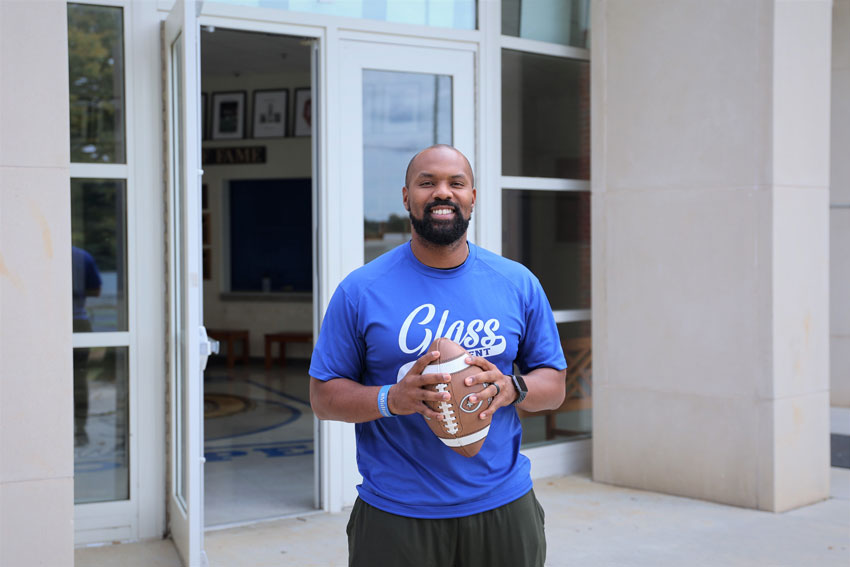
point(521, 388)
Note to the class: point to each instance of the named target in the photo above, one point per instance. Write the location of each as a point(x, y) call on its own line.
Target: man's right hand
point(409, 395)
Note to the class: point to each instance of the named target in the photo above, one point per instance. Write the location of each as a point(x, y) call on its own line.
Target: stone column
point(711, 248)
point(36, 399)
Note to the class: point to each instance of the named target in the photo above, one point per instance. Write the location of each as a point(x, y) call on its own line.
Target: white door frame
point(344, 235)
point(189, 346)
point(116, 519)
point(143, 515)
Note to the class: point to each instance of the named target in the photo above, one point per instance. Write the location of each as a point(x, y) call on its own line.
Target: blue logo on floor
point(284, 449)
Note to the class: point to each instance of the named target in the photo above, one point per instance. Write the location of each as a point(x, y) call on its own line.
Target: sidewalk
point(587, 523)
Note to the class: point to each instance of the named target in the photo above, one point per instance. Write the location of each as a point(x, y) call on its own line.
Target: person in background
point(86, 282)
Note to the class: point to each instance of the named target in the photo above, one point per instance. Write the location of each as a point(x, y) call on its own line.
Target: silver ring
point(498, 390)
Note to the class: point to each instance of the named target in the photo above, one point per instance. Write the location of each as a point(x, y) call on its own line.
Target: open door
point(188, 345)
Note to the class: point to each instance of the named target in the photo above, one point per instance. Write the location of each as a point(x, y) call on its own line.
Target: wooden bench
point(579, 355)
point(230, 337)
point(283, 338)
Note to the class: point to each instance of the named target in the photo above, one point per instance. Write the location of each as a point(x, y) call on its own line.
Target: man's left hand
point(501, 387)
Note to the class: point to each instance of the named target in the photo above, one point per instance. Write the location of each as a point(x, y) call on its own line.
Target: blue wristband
point(383, 405)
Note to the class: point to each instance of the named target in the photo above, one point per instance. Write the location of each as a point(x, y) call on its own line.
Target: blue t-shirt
point(84, 278)
point(382, 318)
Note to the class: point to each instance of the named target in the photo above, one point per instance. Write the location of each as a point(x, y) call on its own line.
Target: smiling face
point(439, 195)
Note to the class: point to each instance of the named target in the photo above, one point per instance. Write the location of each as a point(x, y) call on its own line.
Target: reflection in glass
point(101, 430)
point(545, 116)
point(549, 232)
point(96, 81)
point(556, 21)
point(574, 419)
point(457, 14)
point(99, 254)
point(402, 114)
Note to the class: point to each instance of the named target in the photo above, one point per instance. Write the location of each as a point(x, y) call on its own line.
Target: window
point(549, 232)
point(457, 14)
point(96, 83)
point(402, 113)
point(100, 290)
point(545, 116)
point(566, 22)
point(99, 259)
point(546, 185)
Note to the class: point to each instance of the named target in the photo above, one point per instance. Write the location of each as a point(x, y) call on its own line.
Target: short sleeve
point(540, 345)
point(340, 350)
point(92, 275)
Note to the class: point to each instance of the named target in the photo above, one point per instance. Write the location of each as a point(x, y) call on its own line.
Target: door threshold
point(219, 527)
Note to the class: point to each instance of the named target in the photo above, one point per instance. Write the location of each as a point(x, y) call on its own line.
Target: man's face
point(439, 195)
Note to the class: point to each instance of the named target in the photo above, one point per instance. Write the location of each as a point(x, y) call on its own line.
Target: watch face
point(521, 388)
point(520, 384)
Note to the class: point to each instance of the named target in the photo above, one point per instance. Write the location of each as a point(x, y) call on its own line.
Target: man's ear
point(404, 198)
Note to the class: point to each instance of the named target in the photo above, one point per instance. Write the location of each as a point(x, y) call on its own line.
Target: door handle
point(208, 346)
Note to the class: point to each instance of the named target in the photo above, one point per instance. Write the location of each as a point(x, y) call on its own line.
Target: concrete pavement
point(587, 523)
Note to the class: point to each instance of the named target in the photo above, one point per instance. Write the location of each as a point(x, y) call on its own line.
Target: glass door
point(409, 98)
point(188, 343)
point(395, 100)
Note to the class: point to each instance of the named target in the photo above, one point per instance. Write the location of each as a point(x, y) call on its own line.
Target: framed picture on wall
point(205, 130)
point(303, 112)
point(228, 118)
point(270, 113)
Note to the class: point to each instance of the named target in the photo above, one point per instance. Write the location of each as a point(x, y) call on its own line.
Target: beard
point(439, 232)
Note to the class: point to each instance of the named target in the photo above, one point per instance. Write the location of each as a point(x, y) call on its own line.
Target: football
point(461, 429)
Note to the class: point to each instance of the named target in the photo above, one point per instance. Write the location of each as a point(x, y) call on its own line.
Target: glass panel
point(99, 254)
point(549, 232)
point(457, 14)
point(179, 276)
point(96, 81)
point(556, 21)
point(574, 419)
point(545, 116)
point(101, 430)
point(402, 113)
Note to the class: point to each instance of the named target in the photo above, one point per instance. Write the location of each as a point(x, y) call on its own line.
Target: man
point(85, 282)
point(422, 503)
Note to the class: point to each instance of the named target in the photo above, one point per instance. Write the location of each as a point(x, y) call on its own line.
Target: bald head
point(411, 164)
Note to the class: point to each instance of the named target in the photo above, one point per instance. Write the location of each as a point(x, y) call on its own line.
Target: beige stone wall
point(839, 219)
point(710, 190)
point(36, 452)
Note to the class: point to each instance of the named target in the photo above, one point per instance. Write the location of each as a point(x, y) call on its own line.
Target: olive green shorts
point(509, 536)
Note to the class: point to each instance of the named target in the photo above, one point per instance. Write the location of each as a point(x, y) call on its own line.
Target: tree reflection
point(96, 82)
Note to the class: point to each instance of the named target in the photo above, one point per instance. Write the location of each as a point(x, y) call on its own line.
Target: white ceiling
point(234, 53)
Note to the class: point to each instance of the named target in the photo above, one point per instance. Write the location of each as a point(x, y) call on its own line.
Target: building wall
point(710, 294)
point(36, 457)
point(691, 215)
point(839, 214)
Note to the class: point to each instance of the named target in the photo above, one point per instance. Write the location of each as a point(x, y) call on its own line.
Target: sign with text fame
point(234, 156)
